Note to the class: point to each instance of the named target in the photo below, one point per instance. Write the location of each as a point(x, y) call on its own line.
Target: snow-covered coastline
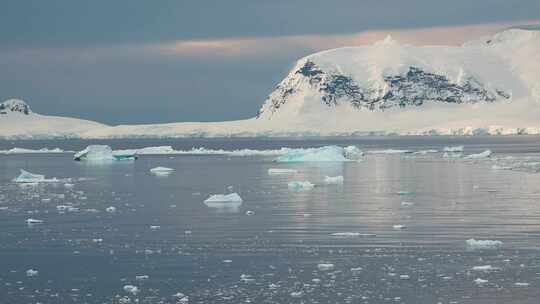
point(486, 87)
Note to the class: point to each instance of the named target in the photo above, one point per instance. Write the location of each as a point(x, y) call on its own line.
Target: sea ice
point(353, 152)
point(27, 177)
point(323, 154)
point(453, 149)
point(224, 198)
point(103, 153)
point(32, 273)
point(333, 179)
point(399, 227)
point(141, 277)
point(389, 151)
point(134, 290)
point(325, 266)
point(346, 234)
point(520, 284)
point(161, 171)
point(484, 154)
point(483, 244)
point(300, 185)
point(32, 221)
point(485, 268)
point(479, 281)
point(279, 171)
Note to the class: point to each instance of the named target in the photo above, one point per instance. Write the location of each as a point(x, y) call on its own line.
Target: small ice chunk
point(484, 154)
point(403, 193)
point(483, 244)
point(325, 267)
point(141, 277)
point(297, 294)
point(485, 268)
point(246, 278)
point(336, 180)
point(452, 155)
point(32, 221)
point(424, 152)
point(155, 227)
point(249, 212)
point(346, 234)
point(389, 151)
point(521, 284)
point(353, 152)
point(32, 273)
point(407, 204)
point(280, 171)
point(322, 154)
point(223, 198)
point(300, 185)
point(27, 177)
point(161, 171)
point(453, 149)
point(110, 209)
point(404, 277)
point(399, 227)
point(181, 298)
point(134, 290)
point(479, 281)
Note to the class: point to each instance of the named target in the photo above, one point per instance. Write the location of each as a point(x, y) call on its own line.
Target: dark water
point(218, 255)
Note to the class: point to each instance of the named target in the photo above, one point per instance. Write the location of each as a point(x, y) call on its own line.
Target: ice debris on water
point(297, 294)
point(300, 185)
point(32, 273)
point(280, 171)
point(521, 284)
point(249, 212)
point(27, 177)
point(142, 277)
point(453, 149)
point(399, 227)
point(32, 221)
point(181, 298)
point(407, 204)
point(485, 268)
point(480, 281)
point(223, 198)
point(484, 154)
point(322, 154)
point(325, 267)
point(336, 180)
point(483, 244)
point(110, 209)
point(134, 290)
point(161, 171)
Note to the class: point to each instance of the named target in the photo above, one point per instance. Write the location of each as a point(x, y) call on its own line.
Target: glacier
point(489, 86)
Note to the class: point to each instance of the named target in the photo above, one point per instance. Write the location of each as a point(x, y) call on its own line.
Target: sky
point(139, 61)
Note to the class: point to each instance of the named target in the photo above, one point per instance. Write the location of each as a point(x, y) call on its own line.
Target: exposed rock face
point(413, 88)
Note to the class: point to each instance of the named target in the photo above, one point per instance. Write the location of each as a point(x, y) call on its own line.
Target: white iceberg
point(110, 209)
point(300, 185)
point(102, 153)
point(32, 221)
point(483, 244)
point(31, 151)
point(161, 171)
point(353, 152)
point(485, 268)
point(134, 290)
point(32, 273)
point(323, 154)
point(28, 177)
point(325, 266)
point(336, 180)
point(484, 154)
point(453, 149)
point(279, 171)
point(226, 203)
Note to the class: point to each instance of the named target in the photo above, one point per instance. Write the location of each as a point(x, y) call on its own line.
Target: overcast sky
point(142, 61)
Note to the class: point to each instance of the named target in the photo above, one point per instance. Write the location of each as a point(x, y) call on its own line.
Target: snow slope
point(487, 86)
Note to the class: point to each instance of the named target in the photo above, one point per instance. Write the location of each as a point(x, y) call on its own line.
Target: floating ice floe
point(110, 209)
point(32, 151)
point(389, 151)
point(479, 281)
point(279, 171)
point(483, 244)
point(333, 180)
point(224, 198)
point(32, 221)
point(27, 177)
point(161, 171)
point(249, 212)
point(424, 152)
point(155, 227)
point(485, 268)
point(32, 273)
point(297, 294)
point(352, 234)
point(181, 298)
point(102, 153)
point(453, 149)
point(521, 284)
point(300, 185)
point(399, 227)
point(141, 277)
point(484, 154)
point(325, 267)
point(134, 290)
point(323, 154)
point(353, 152)
point(407, 204)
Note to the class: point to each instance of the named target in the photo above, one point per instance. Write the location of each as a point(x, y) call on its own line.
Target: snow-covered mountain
point(18, 121)
point(491, 85)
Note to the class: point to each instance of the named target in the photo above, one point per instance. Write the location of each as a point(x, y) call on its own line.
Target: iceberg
point(32, 221)
point(483, 244)
point(484, 154)
point(279, 171)
point(336, 180)
point(161, 171)
point(300, 185)
point(353, 152)
point(227, 203)
point(323, 154)
point(102, 153)
point(453, 149)
point(27, 177)
point(389, 151)
point(224, 198)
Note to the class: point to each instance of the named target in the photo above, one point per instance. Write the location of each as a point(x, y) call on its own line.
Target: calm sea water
point(276, 255)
